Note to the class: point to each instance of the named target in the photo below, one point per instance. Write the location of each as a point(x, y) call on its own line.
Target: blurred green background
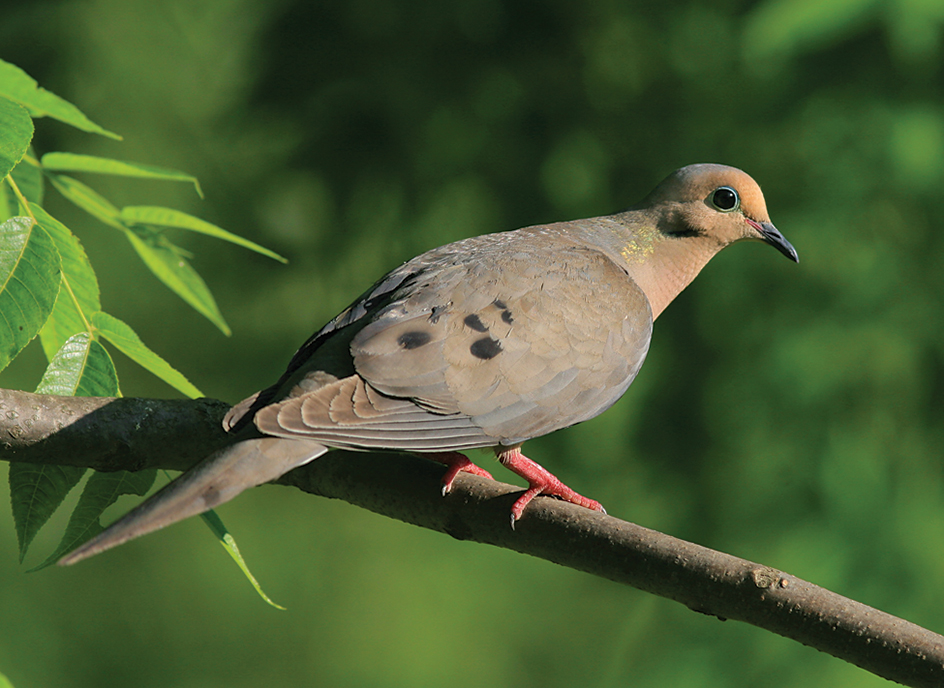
point(787, 414)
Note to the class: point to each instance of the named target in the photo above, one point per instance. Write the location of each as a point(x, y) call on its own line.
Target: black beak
point(772, 236)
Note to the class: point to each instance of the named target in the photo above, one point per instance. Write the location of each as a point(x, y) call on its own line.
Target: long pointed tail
point(217, 479)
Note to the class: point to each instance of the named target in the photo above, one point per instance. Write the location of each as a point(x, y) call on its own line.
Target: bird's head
point(717, 203)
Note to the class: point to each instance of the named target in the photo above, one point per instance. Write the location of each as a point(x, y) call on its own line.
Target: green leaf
point(78, 307)
point(127, 342)
point(229, 543)
point(165, 260)
point(85, 198)
point(28, 179)
point(16, 132)
point(79, 296)
point(169, 265)
point(73, 162)
point(18, 86)
point(5, 682)
point(81, 368)
point(168, 217)
point(101, 491)
point(8, 203)
point(29, 283)
point(28, 176)
point(36, 491)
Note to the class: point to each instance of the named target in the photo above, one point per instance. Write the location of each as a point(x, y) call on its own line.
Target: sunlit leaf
point(127, 342)
point(168, 265)
point(73, 162)
point(79, 295)
point(87, 199)
point(18, 86)
point(166, 261)
point(81, 368)
point(16, 132)
point(168, 217)
point(29, 283)
point(8, 203)
point(29, 179)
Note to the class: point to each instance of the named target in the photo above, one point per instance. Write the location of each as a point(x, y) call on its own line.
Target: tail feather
point(217, 479)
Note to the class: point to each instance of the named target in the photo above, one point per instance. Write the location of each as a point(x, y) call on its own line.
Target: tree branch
point(132, 434)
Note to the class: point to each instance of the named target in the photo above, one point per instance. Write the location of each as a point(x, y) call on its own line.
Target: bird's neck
point(661, 265)
point(671, 267)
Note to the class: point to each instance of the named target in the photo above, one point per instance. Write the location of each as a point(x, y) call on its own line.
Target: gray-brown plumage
point(485, 342)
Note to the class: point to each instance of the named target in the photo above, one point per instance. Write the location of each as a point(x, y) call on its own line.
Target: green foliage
point(17, 128)
point(36, 492)
point(151, 216)
point(17, 86)
point(49, 288)
point(29, 283)
point(71, 314)
point(72, 162)
point(127, 342)
point(101, 491)
point(82, 367)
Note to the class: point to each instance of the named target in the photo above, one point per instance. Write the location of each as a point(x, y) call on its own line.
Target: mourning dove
point(486, 342)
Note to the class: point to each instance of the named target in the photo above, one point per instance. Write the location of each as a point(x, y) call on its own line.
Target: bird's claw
point(540, 481)
point(456, 463)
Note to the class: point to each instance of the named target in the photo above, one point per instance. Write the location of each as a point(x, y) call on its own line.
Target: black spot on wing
point(436, 313)
point(475, 322)
point(413, 340)
point(485, 348)
point(503, 307)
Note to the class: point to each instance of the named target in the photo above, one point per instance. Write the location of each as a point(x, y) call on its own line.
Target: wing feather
point(450, 352)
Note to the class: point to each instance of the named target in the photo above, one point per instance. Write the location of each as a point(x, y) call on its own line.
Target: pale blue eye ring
point(725, 199)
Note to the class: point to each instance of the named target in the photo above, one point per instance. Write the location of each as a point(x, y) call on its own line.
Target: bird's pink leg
point(456, 464)
point(540, 481)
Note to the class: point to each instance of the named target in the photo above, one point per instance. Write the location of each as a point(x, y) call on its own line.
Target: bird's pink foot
point(456, 463)
point(540, 481)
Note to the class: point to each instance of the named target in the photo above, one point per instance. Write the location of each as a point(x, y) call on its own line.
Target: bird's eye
point(725, 199)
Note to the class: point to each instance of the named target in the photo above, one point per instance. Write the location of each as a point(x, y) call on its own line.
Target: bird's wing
point(488, 341)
